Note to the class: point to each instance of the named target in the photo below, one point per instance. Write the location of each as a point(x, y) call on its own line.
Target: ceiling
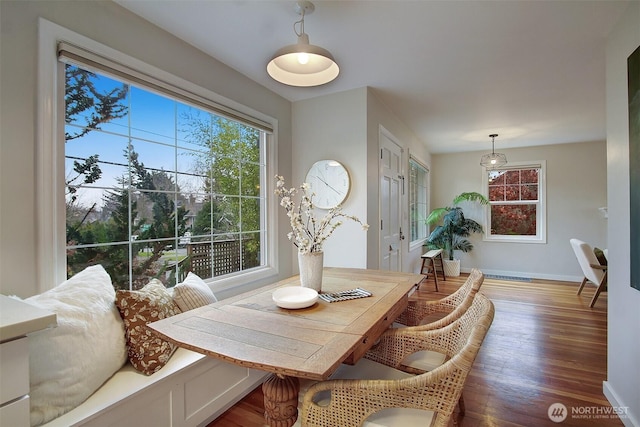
point(452, 71)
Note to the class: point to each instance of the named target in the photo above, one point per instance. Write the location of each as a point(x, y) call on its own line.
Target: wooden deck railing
point(213, 258)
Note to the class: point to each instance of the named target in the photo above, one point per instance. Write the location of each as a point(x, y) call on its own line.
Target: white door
point(391, 189)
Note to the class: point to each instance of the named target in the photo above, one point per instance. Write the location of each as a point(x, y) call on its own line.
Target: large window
point(418, 206)
point(158, 180)
point(517, 203)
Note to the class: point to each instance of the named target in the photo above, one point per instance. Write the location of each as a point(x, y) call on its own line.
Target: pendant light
point(494, 159)
point(303, 64)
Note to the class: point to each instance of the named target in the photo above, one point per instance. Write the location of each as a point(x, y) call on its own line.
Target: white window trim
point(541, 219)
point(50, 158)
point(419, 242)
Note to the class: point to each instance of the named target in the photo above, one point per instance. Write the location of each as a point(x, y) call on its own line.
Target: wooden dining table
point(251, 330)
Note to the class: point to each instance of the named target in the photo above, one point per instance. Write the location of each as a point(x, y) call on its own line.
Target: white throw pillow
point(192, 293)
point(71, 361)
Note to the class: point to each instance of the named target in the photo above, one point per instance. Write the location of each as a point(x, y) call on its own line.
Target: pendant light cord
point(301, 22)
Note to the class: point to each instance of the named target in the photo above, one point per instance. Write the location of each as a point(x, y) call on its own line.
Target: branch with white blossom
point(307, 234)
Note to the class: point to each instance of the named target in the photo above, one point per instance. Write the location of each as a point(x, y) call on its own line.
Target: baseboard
point(628, 418)
point(528, 275)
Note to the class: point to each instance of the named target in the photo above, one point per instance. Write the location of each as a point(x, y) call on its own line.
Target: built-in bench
point(78, 369)
point(191, 390)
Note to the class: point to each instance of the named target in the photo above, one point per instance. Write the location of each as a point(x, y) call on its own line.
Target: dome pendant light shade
point(493, 159)
point(303, 64)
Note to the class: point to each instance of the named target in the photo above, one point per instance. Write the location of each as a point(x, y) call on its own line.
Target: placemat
point(345, 295)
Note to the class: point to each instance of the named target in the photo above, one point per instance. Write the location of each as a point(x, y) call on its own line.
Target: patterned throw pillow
point(192, 293)
point(147, 351)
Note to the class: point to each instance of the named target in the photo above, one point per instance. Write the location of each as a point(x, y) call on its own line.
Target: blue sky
point(156, 127)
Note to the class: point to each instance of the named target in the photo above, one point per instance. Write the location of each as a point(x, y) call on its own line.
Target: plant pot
point(451, 267)
point(310, 265)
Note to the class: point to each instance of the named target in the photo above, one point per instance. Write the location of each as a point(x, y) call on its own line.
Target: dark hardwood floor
point(545, 346)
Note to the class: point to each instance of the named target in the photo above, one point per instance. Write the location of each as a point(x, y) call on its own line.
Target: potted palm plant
point(452, 230)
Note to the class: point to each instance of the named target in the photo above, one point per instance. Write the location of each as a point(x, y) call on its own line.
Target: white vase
point(451, 267)
point(311, 265)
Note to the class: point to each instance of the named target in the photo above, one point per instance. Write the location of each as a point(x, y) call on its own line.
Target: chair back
point(470, 286)
point(453, 373)
point(456, 304)
point(460, 300)
point(586, 258)
point(453, 337)
point(461, 329)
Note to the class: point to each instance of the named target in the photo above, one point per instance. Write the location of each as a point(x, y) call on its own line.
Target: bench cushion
point(125, 385)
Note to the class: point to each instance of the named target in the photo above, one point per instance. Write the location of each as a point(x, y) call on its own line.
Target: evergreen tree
point(84, 101)
point(125, 221)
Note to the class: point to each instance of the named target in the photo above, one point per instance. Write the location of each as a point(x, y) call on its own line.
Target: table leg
point(281, 400)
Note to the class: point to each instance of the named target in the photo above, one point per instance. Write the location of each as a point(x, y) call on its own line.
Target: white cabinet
point(15, 413)
point(14, 369)
point(17, 319)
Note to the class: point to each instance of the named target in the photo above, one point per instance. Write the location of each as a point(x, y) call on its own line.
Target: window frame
point(413, 244)
point(541, 212)
point(50, 192)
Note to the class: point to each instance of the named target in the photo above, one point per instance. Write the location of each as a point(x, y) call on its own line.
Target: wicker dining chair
point(452, 306)
point(422, 361)
point(418, 361)
point(397, 398)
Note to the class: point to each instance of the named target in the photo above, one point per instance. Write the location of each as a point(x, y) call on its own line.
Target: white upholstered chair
point(593, 271)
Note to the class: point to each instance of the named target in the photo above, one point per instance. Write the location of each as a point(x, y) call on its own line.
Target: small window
point(418, 185)
point(517, 203)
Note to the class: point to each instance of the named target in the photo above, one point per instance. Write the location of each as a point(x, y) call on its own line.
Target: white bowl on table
point(293, 297)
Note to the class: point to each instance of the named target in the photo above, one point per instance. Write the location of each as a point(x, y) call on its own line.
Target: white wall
point(333, 127)
point(576, 188)
point(622, 387)
point(344, 126)
point(114, 26)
